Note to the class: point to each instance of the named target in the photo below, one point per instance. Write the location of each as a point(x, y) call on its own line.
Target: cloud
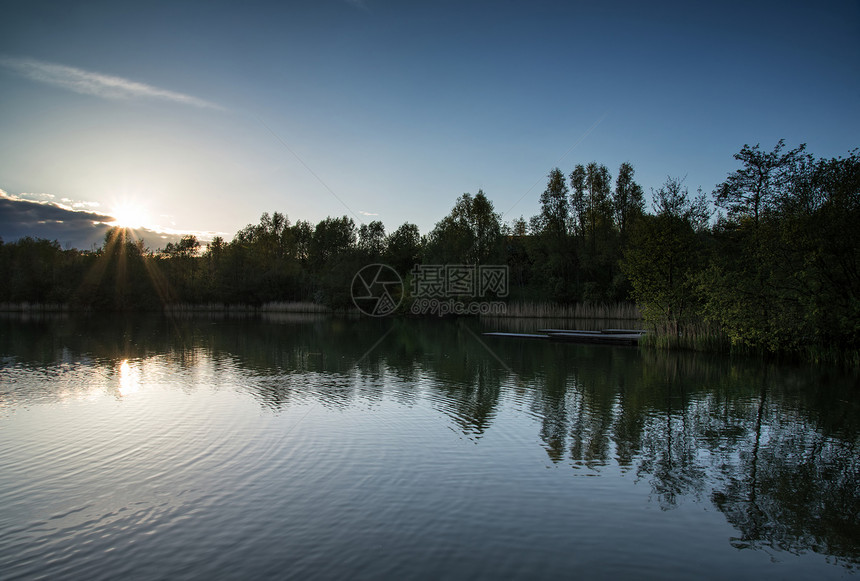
point(97, 84)
point(363, 213)
point(70, 203)
point(360, 4)
point(21, 217)
point(31, 215)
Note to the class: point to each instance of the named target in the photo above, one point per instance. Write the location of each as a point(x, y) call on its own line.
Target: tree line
point(769, 258)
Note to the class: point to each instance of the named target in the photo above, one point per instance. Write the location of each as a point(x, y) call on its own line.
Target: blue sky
point(201, 116)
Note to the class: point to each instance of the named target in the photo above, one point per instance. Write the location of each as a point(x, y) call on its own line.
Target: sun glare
point(129, 379)
point(129, 215)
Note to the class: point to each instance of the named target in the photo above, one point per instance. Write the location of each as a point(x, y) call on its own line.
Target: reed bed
point(692, 336)
point(181, 308)
point(272, 307)
point(294, 307)
point(27, 307)
point(709, 337)
point(584, 310)
point(828, 355)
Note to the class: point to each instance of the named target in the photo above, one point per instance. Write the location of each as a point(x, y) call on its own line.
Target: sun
point(129, 215)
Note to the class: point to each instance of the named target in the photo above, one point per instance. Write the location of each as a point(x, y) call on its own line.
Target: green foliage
point(120, 276)
point(470, 234)
point(551, 251)
point(661, 261)
point(787, 270)
point(36, 270)
point(555, 207)
point(403, 248)
point(371, 240)
point(778, 271)
point(754, 190)
point(628, 201)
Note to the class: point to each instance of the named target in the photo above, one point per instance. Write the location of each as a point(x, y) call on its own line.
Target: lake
point(314, 447)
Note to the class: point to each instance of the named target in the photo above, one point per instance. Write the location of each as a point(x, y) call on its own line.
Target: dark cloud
point(71, 228)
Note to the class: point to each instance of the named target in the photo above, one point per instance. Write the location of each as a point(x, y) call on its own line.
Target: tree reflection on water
point(773, 447)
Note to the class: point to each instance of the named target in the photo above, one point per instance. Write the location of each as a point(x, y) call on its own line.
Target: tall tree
point(555, 206)
point(628, 200)
point(745, 284)
point(754, 189)
point(786, 272)
point(403, 248)
point(470, 234)
point(552, 251)
point(332, 237)
point(371, 239)
point(598, 182)
point(673, 199)
point(578, 201)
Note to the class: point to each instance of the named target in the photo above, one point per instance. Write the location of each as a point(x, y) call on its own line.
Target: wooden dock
point(517, 335)
point(604, 337)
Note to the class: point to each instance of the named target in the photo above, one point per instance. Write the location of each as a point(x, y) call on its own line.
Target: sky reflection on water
point(272, 448)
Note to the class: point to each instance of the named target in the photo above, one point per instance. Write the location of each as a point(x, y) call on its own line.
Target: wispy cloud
point(363, 213)
point(78, 205)
point(97, 84)
point(360, 4)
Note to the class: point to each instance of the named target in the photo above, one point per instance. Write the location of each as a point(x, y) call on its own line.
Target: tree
point(470, 234)
point(598, 250)
point(332, 237)
point(663, 257)
point(182, 267)
point(578, 200)
point(371, 239)
point(517, 252)
point(553, 251)
point(333, 261)
point(38, 270)
point(187, 247)
point(598, 182)
point(786, 272)
point(832, 252)
point(122, 276)
point(301, 235)
point(403, 248)
point(755, 189)
point(673, 199)
point(555, 207)
point(628, 200)
point(486, 227)
point(748, 288)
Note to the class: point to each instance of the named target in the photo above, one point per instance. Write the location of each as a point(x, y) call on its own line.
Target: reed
point(27, 307)
point(583, 310)
point(294, 307)
point(709, 337)
point(272, 307)
point(830, 355)
point(180, 308)
point(691, 336)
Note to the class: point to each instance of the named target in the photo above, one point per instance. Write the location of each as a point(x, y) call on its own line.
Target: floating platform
point(605, 337)
point(517, 335)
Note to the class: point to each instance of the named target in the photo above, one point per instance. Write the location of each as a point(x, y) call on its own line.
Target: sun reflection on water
point(129, 379)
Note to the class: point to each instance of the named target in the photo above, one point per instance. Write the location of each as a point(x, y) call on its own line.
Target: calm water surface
point(325, 448)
